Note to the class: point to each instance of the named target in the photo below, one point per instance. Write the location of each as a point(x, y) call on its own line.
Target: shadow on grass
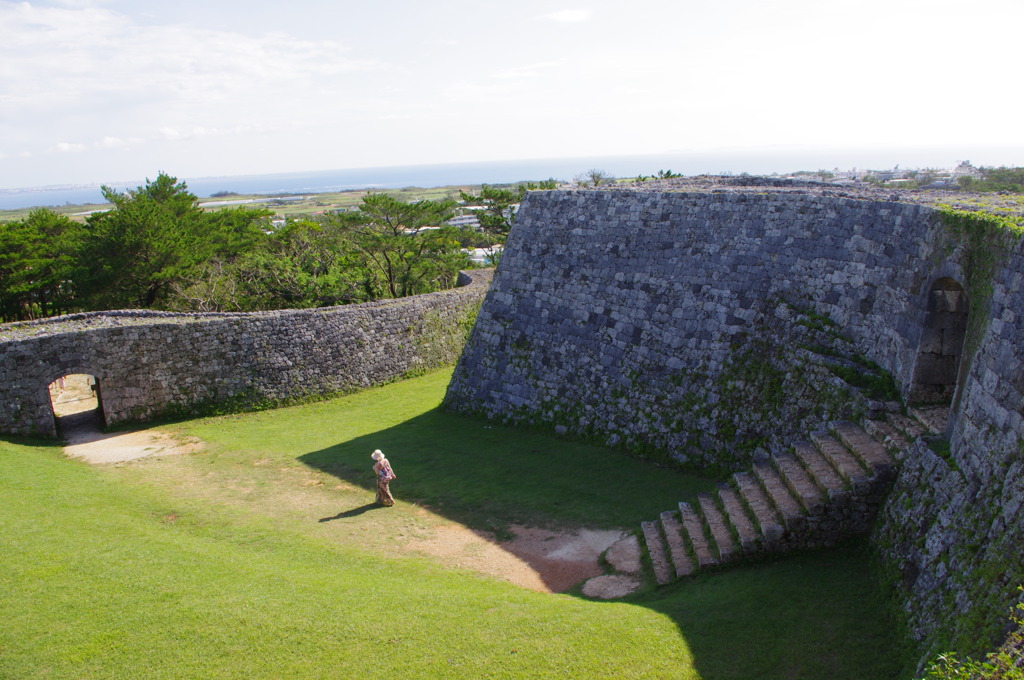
point(31, 440)
point(488, 476)
point(813, 614)
point(354, 512)
point(739, 623)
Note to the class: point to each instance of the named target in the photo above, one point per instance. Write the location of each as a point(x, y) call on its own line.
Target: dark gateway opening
point(936, 373)
point(76, 403)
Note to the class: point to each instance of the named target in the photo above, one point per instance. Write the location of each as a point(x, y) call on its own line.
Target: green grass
point(260, 557)
point(814, 615)
point(477, 472)
point(99, 581)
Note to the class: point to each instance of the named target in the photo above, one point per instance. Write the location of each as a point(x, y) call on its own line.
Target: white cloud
point(174, 134)
point(170, 133)
point(569, 16)
point(526, 70)
point(80, 4)
point(130, 81)
point(67, 147)
point(118, 142)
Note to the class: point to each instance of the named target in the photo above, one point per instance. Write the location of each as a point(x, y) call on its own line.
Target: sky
point(101, 91)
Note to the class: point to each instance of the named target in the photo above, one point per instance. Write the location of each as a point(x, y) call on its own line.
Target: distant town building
point(483, 256)
point(965, 169)
point(471, 221)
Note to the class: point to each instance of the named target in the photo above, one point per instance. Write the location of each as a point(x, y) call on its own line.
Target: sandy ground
point(86, 441)
point(75, 405)
point(538, 559)
point(73, 394)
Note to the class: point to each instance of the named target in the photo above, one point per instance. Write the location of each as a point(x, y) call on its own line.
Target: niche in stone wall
point(937, 369)
point(76, 402)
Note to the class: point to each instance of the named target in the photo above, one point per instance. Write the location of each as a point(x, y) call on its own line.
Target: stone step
point(787, 506)
point(869, 450)
point(719, 527)
point(889, 436)
point(738, 518)
point(677, 552)
point(656, 549)
point(800, 483)
point(694, 529)
point(934, 418)
point(624, 555)
point(841, 459)
point(910, 428)
point(764, 514)
point(807, 492)
point(821, 471)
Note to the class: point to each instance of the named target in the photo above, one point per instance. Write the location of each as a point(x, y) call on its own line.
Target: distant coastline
point(496, 172)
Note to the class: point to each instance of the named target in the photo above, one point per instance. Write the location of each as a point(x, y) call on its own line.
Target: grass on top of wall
point(260, 557)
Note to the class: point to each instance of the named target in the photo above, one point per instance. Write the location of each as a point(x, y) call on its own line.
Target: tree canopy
point(996, 179)
point(153, 238)
point(38, 265)
point(157, 248)
point(495, 208)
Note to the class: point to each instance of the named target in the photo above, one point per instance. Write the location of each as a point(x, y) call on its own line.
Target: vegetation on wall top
point(985, 240)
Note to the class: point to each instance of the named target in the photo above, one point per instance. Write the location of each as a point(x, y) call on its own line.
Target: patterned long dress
point(384, 477)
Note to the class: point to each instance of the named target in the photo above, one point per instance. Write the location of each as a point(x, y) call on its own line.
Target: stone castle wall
point(953, 526)
point(149, 364)
point(701, 325)
point(674, 321)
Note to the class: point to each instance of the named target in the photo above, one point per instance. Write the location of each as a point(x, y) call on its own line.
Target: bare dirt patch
point(539, 559)
point(86, 441)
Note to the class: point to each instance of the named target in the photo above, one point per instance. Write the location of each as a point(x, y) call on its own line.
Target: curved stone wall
point(149, 364)
point(636, 318)
point(631, 317)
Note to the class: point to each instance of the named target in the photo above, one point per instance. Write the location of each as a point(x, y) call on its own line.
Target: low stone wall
point(149, 364)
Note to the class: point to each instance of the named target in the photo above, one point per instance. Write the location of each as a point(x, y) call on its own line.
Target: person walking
point(385, 474)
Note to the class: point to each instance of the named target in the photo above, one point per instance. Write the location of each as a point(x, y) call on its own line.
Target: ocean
point(495, 172)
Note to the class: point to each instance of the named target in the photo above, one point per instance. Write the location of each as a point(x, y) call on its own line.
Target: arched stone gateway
point(76, 402)
point(937, 369)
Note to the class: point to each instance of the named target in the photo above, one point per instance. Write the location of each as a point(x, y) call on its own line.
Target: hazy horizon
point(758, 161)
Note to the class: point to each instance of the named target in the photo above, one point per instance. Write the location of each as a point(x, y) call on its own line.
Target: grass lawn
point(261, 556)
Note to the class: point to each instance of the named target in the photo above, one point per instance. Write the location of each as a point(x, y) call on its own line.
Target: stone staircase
point(824, 490)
